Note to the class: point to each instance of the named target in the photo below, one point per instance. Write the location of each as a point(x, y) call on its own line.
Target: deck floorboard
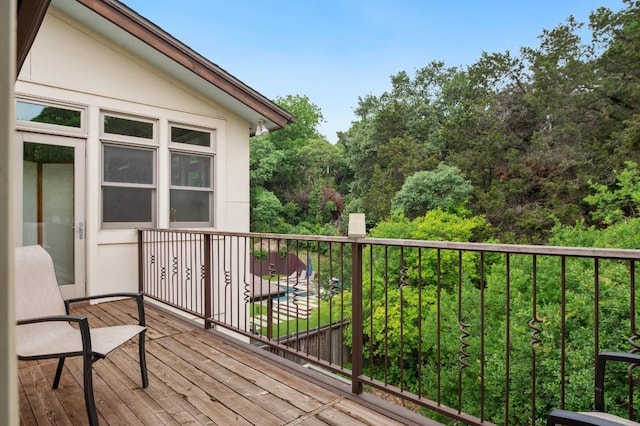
point(196, 377)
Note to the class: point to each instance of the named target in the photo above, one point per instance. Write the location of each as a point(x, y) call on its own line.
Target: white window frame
point(129, 142)
point(125, 138)
point(199, 151)
point(50, 127)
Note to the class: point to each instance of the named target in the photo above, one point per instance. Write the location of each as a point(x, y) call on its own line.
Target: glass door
point(52, 204)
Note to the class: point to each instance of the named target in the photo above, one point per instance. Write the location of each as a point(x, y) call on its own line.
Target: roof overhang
point(124, 27)
point(30, 14)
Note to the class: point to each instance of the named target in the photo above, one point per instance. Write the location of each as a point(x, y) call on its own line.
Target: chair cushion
point(42, 339)
point(37, 291)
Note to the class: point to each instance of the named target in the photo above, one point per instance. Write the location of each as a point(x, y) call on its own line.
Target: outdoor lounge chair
point(598, 417)
point(44, 328)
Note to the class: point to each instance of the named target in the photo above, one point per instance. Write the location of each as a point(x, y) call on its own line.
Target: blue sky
point(334, 51)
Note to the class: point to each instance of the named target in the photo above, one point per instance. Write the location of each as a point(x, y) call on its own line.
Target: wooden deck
point(195, 377)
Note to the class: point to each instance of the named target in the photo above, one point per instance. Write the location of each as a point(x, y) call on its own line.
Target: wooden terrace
point(196, 376)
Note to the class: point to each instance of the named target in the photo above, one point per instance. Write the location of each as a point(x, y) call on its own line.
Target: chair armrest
point(60, 318)
point(137, 296)
point(571, 418)
point(102, 296)
point(620, 356)
point(601, 364)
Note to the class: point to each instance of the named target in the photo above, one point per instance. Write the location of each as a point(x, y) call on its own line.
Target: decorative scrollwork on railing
point(403, 277)
point(227, 279)
point(297, 293)
point(464, 344)
point(187, 273)
point(163, 272)
point(203, 271)
point(247, 291)
point(272, 271)
point(535, 332)
point(635, 346)
point(152, 259)
point(174, 266)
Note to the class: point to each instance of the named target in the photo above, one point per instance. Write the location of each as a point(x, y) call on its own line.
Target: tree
point(264, 161)
point(296, 175)
point(407, 299)
point(265, 211)
point(528, 130)
point(617, 203)
point(443, 188)
point(323, 163)
point(308, 118)
point(396, 136)
point(288, 177)
point(397, 159)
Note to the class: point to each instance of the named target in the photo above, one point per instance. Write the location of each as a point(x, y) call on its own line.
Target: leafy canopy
point(443, 188)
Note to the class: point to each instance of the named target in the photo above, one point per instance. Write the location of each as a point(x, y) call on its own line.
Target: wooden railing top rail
point(605, 253)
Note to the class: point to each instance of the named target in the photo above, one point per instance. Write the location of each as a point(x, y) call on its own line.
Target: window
point(129, 157)
point(46, 115)
point(128, 186)
point(130, 171)
point(131, 128)
point(190, 136)
point(191, 193)
point(191, 199)
point(126, 127)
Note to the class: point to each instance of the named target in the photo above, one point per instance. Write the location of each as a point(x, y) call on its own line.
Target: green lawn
point(321, 316)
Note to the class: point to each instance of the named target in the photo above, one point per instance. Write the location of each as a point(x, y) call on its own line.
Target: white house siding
point(69, 63)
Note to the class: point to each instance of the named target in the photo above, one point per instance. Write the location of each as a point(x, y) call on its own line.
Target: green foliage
point(408, 299)
point(622, 201)
point(260, 254)
point(265, 210)
point(624, 234)
point(320, 316)
point(308, 117)
point(415, 292)
point(443, 188)
point(427, 267)
point(515, 305)
point(396, 160)
point(264, 160)
point(298, 168)
point(528, 130)
point(537, 134)
point(435, 225)
point(323, 162)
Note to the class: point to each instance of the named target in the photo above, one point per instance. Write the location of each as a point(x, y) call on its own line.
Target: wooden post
point(208, 282)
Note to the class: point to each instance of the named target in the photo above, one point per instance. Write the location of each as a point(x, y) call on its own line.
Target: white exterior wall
point(70, 64)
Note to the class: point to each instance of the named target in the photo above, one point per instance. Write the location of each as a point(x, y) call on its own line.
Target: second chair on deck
point(597, 417)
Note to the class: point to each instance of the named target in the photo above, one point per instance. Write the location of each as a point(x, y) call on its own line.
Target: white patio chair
point(44, 328)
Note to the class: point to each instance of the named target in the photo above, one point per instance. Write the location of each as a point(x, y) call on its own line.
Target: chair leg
point(143, 360)
point(56, 380)
point(87, 361)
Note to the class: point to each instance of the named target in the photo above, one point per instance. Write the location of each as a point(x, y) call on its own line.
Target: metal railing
point(471, 333)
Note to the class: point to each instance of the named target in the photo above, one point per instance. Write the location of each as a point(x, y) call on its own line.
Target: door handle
point(80, 229)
